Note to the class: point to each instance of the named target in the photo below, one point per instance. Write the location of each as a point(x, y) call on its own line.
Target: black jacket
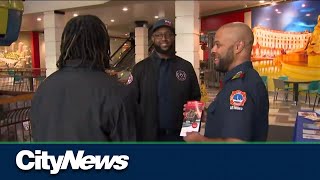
point(145, 81)
point(78, 104)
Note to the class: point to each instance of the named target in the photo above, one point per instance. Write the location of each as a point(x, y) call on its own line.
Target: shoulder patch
point(238, 99)
point(130, 79)
point(239, 74)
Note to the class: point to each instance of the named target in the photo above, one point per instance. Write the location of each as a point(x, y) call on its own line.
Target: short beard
point(161, 51)
point(225, 62)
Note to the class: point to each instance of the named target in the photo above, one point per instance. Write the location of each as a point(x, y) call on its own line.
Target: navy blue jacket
point(241, 108)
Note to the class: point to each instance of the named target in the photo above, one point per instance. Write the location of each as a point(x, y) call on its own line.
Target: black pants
point(169, 135)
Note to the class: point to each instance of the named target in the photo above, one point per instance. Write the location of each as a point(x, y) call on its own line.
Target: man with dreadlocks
point(80, 102)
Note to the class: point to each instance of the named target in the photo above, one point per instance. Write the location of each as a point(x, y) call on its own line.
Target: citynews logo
point(40, 160)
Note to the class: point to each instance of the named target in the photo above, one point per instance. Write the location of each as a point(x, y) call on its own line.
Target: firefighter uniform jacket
point(241, 108)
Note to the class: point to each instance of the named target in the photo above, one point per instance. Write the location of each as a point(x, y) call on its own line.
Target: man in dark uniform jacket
point(80, 102)
point(240, 110)
point(165, 82)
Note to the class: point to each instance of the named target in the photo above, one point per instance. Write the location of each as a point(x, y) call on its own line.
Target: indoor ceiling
point(137, 11)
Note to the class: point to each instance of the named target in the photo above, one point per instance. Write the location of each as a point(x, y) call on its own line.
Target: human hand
point(193, 137)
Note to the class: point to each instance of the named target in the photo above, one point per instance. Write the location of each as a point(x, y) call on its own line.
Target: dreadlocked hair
point(86, 39)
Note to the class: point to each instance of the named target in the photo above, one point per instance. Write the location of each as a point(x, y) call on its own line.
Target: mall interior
point(286, 52)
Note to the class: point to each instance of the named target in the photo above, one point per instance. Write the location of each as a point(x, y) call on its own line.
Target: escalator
point(123, 54)
point(123, 59)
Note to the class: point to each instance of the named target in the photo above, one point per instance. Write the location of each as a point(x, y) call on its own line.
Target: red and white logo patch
point(238, 98)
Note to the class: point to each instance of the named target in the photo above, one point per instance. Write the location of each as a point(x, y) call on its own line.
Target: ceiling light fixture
point(39, 19)
point(273, 3)
point(156, 17)
point(75, 15)
point(261, 1)
point(303, 5)
point(112, 20)
point(279, 12)
point(308, 14)
point(125, 9)
point(276, 10)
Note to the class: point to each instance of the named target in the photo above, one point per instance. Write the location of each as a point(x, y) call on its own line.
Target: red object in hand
point(194, 125)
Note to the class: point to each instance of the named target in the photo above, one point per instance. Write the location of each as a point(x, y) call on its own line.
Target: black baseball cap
point(162, 23)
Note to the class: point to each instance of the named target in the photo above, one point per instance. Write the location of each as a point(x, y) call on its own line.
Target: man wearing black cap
point(165, 82)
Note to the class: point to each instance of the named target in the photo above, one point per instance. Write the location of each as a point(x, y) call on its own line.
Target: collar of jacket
point(76, 64)
point(238, 70)
point(156, 58)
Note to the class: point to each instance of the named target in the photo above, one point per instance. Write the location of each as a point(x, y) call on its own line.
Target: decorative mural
point(18, 54)
point(287, 40)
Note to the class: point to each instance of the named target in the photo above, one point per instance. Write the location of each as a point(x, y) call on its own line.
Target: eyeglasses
point(165, 35)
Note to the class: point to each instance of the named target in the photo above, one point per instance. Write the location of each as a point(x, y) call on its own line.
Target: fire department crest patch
point(237, 100)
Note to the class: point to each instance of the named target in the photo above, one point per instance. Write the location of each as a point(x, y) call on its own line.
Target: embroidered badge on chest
point(237, 100)
point(181, 75)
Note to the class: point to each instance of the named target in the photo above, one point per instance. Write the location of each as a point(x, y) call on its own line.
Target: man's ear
point(152, 38)
point(239, 46)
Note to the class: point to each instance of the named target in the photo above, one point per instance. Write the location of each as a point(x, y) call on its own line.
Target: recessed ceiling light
point(261, 1)
point(268, 19)
point(277, 10)
point(273, 3)
point(308, 14)
point(125, 9)
point(303, 5)
point(39, 19)
point(156, 17)
point(112, 20)
point(75, 15)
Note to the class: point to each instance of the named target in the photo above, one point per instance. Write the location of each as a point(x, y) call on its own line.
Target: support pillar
point(53, 27)
point(187, 25)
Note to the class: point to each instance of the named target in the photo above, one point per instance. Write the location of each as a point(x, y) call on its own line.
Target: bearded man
point(240, 110)
point(164, 82)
